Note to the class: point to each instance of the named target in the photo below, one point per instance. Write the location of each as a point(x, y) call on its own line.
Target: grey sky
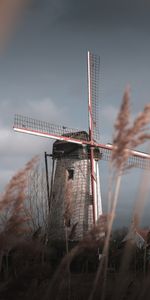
point(43, 73)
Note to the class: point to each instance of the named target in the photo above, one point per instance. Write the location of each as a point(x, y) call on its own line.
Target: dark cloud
point(84, 14)
point(104, 12)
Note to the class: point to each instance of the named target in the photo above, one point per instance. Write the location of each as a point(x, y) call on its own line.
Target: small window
point(70, 174)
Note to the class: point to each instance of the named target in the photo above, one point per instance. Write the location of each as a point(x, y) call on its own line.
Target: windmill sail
point(31, 126)
point(93, 93)
point(93, 84)
point(136, 159)
point(44, 129)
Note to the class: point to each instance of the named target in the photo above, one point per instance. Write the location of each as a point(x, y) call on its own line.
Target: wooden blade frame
point(91, 83)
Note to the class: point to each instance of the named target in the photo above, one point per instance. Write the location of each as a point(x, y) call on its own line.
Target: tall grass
point(29, 267)
point(12, 202)
point(126, 136)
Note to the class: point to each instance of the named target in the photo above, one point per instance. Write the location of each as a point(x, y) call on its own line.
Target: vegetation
point(98, 267)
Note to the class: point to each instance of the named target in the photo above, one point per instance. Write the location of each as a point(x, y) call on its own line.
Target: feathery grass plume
point(120, 141)
point(12, 200)
point(126, 136)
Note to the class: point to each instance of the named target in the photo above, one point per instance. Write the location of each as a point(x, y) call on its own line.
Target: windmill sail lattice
point(75, 201)
point(41, 128)
point(36, 127)
point(93, 89)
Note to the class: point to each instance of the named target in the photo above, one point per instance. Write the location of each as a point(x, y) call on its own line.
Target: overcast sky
point(43, 74)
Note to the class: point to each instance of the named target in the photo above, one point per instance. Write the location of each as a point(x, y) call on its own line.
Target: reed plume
point(12, 200)
point(126, 136)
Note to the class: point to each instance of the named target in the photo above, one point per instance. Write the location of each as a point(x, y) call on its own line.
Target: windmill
point(75, 197)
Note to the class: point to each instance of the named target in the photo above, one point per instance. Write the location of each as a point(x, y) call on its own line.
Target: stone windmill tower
point(75, 200)
point(71, 193)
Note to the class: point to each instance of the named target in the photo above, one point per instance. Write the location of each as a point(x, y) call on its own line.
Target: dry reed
point(12, 201)
point(126, 136)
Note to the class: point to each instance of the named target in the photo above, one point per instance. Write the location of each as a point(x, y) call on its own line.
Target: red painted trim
point(91, 136)
point(93, 144)
point(92, 184)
